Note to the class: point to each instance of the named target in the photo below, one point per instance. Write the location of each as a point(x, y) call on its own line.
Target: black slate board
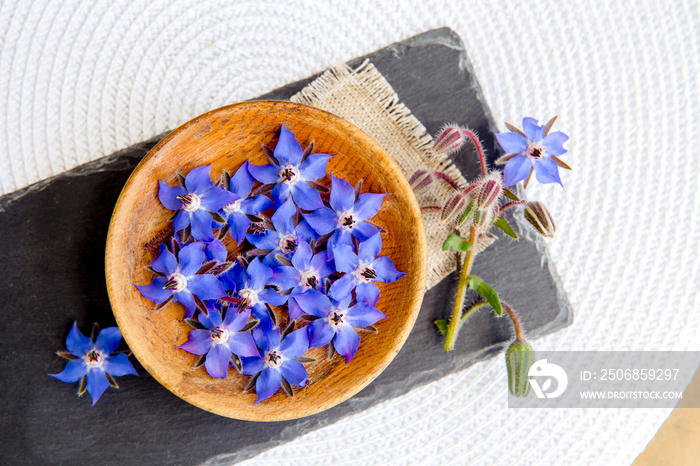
point(53, 273)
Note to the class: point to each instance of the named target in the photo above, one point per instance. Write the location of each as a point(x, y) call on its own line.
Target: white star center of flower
point(289, 175)
point(288, 243)
point(365, 273)
point(232, 208)
point(273, 359)
point(94, 358)
point(310, 279)
point(190, 202)
point(249, 298)
point(347, 220)
point(336, 319)
point(535, 150)
point(176, 283)
point(219, 335)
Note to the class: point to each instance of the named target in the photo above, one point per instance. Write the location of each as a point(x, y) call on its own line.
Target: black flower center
point(348, 221)
point(369, 273)
point(273, 358)
point(219, 335)
point(176, 282)
point(190, 201)
point(94, 358)
point(288, 174)
point(336, 319)
point(536, 152)
point(312, 282)
point(288, 244)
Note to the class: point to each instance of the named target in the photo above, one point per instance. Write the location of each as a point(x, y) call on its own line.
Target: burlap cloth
point(363, 97)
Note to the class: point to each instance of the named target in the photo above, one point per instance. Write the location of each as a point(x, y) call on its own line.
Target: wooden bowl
point(225, 138)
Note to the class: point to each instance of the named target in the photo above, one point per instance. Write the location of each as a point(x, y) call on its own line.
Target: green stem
point(469, 311)
point(455, 321)
point(519, 333)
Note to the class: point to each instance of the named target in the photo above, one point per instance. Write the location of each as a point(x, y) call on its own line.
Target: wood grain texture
point(225, 138)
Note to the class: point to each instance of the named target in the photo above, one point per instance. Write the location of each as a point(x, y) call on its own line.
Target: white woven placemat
point(79, 80)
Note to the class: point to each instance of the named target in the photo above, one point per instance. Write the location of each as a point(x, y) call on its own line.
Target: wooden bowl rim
point(421, 259)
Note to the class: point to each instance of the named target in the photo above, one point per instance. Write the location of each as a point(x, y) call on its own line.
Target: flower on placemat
point(291, 173)
point(196, 201)
point(346, 217)
point(179, 278)
point(236, 213)
point(94, 361)
point(277, 365)
point(220, 338)
point(362, 270)
point(532, 149)
point(336, 320)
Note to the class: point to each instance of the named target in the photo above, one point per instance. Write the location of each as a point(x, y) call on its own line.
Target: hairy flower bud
point(449, 140)
point(467, 214)
point(490, 191)
point(520, 356)
point(539, 217)
point(421, 180)
point(453, 206)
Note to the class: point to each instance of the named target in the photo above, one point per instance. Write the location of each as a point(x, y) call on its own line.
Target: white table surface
point(81, 79)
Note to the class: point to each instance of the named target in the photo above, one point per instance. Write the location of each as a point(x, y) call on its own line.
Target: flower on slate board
point(534, 148)
point(94, 360)
point(291, 173)
point(179, 278)
point(306, 273)
point(336, 321)
point(277, 361)
point(220, 338)
point(283, 240)
point(236, 213)
point(345, 218)
point(249, 285)
point(196, 201)
point(362, 270)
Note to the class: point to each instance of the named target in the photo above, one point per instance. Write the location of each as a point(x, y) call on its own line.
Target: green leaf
point(485, 290)
point(456, 242)
point(510, 194)
point(502, 223)
point(441, 325)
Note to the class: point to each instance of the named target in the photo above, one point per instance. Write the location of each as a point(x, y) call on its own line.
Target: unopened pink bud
point(449, 140)
point(489, 193)
point(421, 180)
point(453, 206)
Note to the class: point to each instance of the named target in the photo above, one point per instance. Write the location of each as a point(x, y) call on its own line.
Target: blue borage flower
point(362, 270)
point(179, 278)
point(534, 148)
point(196, 201)
point(346, 217)
point(249, 286)
point(276, 361)
point(307, 272)
point(283, 240)
point(94, 360)
point(291, 174)
point(336, 320)
point(236, 213)
point(219, 339)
